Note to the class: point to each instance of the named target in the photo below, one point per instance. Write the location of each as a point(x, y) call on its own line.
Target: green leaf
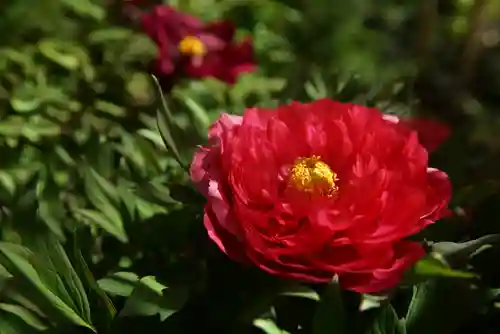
point(156, 193)
point(129, 199)
point(50, 251)
point(12, 324)
point(330, 314)
point(121, 283)
point(455, 254)
point(4, 273)
point(316, 88)
point(107, 35)
point(44, 283)
point(25, 98)
point(36, 130)
point(103, 222)
point(150, 298)
point(387, 322)
point(431, 266)
point(164, 123)
point(443, 305)
point(369, 302)
point(301, 291)
point(110, 108)
point(145, 298)
point(268, 326)
point(97, 183)
point(8, 183)
point(140, 153)
point(103, 299)
point(104, 196)
point(59, 53)
point(198, 114)
point(14, 295)
point(25, 315)
point(152, 136)
point(86, 8)
point(12, 126)
point(50, 208)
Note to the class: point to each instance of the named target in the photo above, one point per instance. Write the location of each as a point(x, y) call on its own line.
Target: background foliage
point(100, 227)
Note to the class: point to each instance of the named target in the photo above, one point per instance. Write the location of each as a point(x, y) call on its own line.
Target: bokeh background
point(81, 158)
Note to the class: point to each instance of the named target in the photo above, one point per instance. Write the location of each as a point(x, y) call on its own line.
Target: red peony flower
point(189, 47)
point(308, 191)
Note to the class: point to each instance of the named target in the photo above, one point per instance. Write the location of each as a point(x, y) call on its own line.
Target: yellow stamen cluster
point(313, 176)
point(192, 46)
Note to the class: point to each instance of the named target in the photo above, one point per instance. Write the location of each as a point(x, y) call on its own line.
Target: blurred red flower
point(189, 47)
point(431, 133)
point(307, 191)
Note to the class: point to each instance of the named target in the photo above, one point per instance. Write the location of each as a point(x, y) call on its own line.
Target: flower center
point(192, 46)
point(312, 175)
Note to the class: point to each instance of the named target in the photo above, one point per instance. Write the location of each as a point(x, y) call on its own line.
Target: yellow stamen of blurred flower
point(192, 46)
point(312, 175)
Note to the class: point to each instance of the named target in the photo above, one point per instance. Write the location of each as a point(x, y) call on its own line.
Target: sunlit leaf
point(268, 326)
point(21, 263)
point(432, 266)
point(301, 291)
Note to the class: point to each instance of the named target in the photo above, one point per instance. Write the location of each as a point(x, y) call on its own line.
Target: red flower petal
point(405, 254)
point(224, 30)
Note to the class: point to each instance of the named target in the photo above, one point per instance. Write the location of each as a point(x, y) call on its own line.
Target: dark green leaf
point(458, 253)
point(387, 322)
point(88, 277)
point(12, 324)
point(164, 122)
point(443, 305)
point(150, 298)
point(50, 206)
point(25, 315)
point(156, 193)
point(330, 314)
